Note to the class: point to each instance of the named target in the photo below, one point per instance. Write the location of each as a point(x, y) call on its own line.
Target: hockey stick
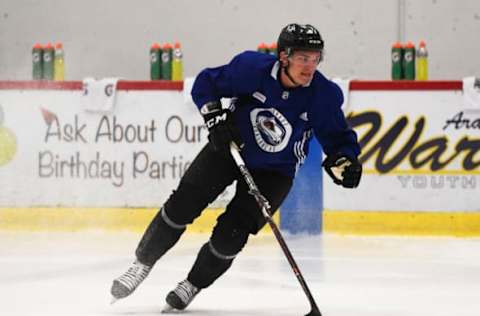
point(265, 206)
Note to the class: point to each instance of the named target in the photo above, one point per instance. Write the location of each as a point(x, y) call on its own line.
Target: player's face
point(303, 65)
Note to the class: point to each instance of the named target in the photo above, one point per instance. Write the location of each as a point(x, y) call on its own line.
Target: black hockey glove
point(343, 170)
point(221, 127)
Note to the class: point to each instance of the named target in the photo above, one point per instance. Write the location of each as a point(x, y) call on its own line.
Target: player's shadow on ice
point(155, 311)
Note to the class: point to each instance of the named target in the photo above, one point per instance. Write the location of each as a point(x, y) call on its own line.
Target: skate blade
point(167, 309)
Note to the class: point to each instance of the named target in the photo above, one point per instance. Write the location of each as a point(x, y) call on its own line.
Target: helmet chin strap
point(287, 73)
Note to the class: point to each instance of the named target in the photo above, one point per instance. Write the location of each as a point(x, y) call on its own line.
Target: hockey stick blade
point(314, 312)
point(265, 207)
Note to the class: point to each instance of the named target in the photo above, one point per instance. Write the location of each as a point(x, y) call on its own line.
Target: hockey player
point(278, 104)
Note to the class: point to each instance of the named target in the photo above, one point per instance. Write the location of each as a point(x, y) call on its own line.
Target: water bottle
point(166, 62)
point(272, 49)
point(409, 62)
point(422, 61)
point(397, 57)
point(37, 62)
point(48, 55)
point(177, 63)
point(262, 48)
point(59, 63)
point(155, 62)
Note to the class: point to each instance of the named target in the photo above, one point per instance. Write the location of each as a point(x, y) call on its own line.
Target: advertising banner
point(420, 151)
point(57, 151)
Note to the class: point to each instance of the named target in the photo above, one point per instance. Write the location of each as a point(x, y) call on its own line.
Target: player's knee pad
point(227, 241)
point(186, 203)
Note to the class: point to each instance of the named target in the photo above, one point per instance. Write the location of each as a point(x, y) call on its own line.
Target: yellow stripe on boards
point(114, 219)
point(75, 219)
point(459, 224)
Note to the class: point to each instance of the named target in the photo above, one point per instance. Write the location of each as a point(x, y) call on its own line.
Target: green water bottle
point(177, 63)
point(262, 48)
point(37, 62)
point(155, 62)
point(397, 57)
point(409, 62)
point(272, 49)
point(166, 62)
point(48, 56)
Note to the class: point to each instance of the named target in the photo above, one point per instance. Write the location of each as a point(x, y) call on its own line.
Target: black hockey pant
point(208, 175)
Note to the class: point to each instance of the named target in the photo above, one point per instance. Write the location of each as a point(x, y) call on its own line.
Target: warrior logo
point(271, 129)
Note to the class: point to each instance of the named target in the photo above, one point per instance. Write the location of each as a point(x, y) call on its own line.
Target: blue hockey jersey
point(276, 123)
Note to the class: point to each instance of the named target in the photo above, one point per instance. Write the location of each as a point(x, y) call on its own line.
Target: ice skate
point(181, 296)
point(124, 285)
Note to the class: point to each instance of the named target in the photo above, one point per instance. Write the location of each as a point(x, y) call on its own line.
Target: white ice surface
point(68, 274)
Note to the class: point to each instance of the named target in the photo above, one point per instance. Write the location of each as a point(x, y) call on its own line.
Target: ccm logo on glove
point(221, 127)
point(343, 170)
point(221, 117)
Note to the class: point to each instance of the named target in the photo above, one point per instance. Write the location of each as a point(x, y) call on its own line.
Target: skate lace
point(134, 275)
point(186, 291)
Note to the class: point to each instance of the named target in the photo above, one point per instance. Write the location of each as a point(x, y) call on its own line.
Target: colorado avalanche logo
point(271, 129)
point(273, 132)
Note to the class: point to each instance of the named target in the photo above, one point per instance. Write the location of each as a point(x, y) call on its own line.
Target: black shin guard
point(216, 256)
point(159, 237)
point(208, 267)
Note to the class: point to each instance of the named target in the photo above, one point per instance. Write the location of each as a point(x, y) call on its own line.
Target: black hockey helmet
point(299, 37)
